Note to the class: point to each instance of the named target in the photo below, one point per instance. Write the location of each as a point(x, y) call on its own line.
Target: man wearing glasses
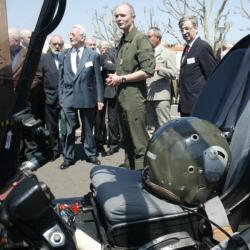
point(197, 63)
point(50, 73)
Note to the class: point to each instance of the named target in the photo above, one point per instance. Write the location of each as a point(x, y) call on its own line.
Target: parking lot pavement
point(74, 181)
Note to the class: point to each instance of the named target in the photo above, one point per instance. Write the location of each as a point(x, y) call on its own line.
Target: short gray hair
point(193, 20)
point(81, 29)
point(25, 32)
point(131, 8)
point(157, 31)
point(15, 33)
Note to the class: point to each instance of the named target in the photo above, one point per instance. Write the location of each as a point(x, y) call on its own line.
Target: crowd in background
point(116, 96)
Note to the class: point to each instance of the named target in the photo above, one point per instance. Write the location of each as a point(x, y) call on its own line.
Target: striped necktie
point(77, 57)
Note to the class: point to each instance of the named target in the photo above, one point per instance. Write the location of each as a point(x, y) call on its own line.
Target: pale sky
point(24, 13)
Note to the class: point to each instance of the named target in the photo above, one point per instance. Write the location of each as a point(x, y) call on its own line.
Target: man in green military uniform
point(135, 63)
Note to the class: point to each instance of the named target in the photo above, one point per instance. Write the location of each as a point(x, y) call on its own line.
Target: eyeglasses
point(60, 44)
point(186, 29)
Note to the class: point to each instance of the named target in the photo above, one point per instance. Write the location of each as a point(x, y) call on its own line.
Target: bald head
point(124, 17)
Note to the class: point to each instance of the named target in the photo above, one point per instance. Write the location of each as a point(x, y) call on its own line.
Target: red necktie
point(185, 52)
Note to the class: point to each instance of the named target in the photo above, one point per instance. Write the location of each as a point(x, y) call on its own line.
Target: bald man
point(135, 63)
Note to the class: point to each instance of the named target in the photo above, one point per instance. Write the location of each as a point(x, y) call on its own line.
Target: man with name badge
point(197, 63)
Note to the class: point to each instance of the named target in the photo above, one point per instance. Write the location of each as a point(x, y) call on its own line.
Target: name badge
point(191, 60)
point(88, 64)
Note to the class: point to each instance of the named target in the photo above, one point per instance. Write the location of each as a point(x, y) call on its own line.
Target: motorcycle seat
point(121, 194)
point(131, 215)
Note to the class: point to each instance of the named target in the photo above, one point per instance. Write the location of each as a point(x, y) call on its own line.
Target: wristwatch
point(124, 79)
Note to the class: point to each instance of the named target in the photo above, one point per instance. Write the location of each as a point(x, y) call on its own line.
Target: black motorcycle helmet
point(185, 160)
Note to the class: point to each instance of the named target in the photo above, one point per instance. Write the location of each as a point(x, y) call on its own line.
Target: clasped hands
point(113, 80)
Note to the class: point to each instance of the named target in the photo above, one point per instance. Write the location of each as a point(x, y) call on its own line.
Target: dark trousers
point(52, 113)
point(87, 116)
point(113, 122)
point(100, 127)
point(185, 114)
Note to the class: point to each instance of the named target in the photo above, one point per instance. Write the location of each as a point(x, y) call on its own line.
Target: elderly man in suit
point(197, 63)
point(17, 52)
point(159, 86)
point(50, 71)
point(79, 72)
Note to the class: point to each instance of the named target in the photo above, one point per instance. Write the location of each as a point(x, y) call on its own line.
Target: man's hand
point(100, 106)
point(113, 80)
point(157, 69)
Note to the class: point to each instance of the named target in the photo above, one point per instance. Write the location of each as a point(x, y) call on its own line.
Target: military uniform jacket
point(159, 86)
point(194, 72)
point(85, 88)
point(135, 53)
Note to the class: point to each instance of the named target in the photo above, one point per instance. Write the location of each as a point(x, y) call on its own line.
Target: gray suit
point(159, 86)
point(80, 91)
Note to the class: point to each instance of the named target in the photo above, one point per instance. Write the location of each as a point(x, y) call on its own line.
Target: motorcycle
point(118, 212)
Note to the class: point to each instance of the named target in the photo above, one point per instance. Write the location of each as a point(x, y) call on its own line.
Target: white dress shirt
point(73, 58)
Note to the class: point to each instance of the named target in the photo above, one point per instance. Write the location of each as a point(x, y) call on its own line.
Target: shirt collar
point(130, 36)
point(74, 50)
point(16, 51)
point(191, 44)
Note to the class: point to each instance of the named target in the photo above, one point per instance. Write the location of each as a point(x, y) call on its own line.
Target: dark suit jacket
point(108, 67)
point(50, 75)
point(79, 90)
point(194, 72)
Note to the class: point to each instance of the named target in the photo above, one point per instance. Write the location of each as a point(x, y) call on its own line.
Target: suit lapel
point(52, 62)
point(84, 59)
point(191, 51)
point(68, 62)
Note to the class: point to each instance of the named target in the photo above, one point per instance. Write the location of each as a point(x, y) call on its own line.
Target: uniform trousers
point(132, 111)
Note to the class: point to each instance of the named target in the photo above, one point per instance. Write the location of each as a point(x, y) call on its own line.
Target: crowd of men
point(113, 94)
